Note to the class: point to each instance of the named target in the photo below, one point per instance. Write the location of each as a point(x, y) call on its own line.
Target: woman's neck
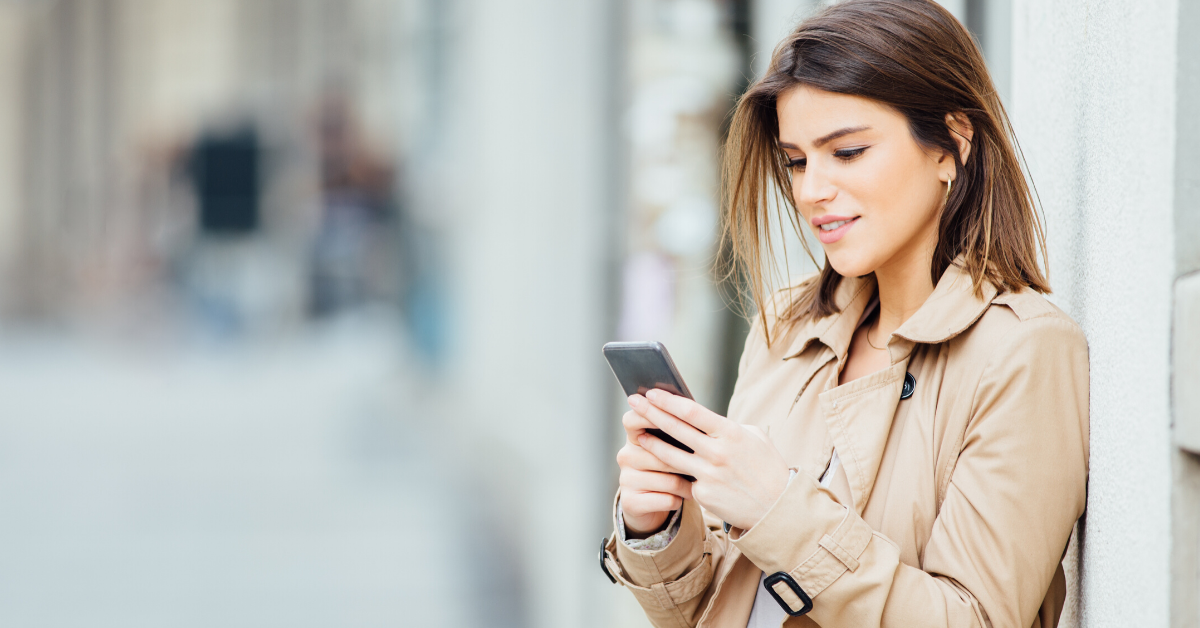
point(904, 285)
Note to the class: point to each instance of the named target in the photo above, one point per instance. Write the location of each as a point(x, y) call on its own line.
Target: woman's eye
point(797, 164)
point(846, 154)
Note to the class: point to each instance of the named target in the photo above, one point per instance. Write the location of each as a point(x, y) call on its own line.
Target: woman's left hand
point(739, 472)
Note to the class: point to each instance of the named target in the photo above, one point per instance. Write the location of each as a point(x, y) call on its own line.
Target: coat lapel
point(859, 416)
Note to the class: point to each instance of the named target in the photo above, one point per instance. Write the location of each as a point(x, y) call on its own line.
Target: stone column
point(1094, 102)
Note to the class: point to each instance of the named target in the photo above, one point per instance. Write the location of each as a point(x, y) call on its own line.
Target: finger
point(673, 456)
point(687, 410)
point(655, 482)
point(640, 503)
point(633, 456)
point(681, 430)
point(635, 424)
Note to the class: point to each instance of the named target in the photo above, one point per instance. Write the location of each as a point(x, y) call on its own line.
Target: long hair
point(915, 57)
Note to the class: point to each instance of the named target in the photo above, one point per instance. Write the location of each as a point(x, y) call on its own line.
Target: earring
point(949, 182)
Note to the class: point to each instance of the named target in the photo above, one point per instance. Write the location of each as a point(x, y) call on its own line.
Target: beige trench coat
point(962, 497)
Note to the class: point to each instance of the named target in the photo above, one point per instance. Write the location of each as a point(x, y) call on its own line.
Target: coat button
point(910, 386)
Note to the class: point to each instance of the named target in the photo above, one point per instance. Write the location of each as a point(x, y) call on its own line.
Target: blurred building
point(117, 107)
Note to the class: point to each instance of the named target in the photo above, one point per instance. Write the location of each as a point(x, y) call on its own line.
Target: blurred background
point(301, 301)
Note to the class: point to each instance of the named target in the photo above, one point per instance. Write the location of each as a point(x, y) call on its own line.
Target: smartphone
point(642, 366)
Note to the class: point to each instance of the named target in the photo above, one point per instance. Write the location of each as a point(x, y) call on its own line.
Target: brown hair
point(915, 57)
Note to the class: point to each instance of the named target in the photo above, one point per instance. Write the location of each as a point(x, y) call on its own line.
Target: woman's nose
point(814, 187)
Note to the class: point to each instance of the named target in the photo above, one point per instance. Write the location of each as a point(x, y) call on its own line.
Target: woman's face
point(863, 185)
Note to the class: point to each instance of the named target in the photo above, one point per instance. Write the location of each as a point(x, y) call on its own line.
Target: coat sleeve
point(673, 585)
point(1017, 489)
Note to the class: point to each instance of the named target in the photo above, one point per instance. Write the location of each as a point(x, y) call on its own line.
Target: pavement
point(294, 483)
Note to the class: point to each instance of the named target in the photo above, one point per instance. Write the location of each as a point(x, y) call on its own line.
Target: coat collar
point(950, 310)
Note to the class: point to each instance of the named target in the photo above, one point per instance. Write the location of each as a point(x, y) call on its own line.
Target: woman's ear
point(962, 131)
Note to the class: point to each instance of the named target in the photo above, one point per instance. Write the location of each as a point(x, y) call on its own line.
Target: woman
point(907, 442)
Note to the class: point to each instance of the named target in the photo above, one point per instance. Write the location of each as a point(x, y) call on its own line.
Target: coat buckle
point(604, 567)
point(805, 601)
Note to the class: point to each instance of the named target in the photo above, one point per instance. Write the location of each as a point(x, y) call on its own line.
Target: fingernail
point(654, 394)
point(634, 401)
point(642, 439)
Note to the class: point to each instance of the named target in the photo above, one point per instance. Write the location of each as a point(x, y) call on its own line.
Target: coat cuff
point(655, 541)
point(648, 567)
point(808, 535)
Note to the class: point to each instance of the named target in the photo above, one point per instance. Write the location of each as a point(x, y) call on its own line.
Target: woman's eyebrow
point(838, 133)
point(829, 137)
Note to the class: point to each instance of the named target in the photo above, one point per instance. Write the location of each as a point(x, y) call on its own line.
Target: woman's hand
point(739, 472)
point(650, 490)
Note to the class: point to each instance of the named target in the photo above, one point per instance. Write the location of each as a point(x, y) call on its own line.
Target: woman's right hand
point(650, 489)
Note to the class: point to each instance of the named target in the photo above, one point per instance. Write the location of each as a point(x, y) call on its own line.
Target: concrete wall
point(1094, 105)
point(1187, 145)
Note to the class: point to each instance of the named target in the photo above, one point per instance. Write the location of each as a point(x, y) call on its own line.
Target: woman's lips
point(833, 235)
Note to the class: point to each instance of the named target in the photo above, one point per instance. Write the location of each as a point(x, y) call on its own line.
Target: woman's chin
point(850, 266)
